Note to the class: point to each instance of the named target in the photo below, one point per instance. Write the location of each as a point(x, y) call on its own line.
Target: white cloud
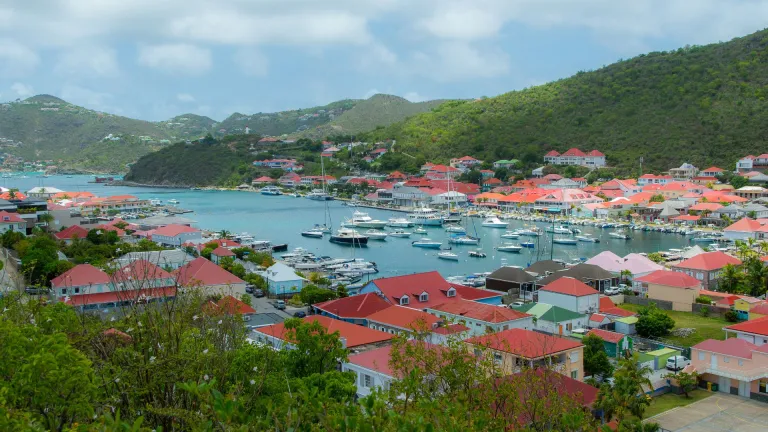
point(185, 97)
point(92, 61)
point(456, 61)
point(376, 56)
point(22, 90)
point(16, 59)
point(464, 22)
point(415, 97)
point(176, 58)
point(251, 62)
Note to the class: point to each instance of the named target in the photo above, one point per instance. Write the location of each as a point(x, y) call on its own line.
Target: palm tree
point(625, 275)
point(730, 278)
point(47, 218)
point(756, 277)
point(224, 234)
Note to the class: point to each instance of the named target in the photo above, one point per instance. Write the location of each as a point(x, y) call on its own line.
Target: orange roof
point(744, 224)
point(71, 232)
point(670, 279)
point(404, 318)
point(606, 335)
point(222, 252)
point(480, 311)
point(6, 217)
point(569, 286)
point(355, 335)
point(755, 326)
point(174, 230)
point(708, 261)
point(525, 343)
point(705, 206)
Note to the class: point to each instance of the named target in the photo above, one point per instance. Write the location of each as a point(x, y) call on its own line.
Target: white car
point(676, 363)
point(516, 304)
point(612, 291)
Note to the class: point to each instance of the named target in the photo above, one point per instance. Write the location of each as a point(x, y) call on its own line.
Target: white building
point(569, 293)
point(574, 156)
point(452, 197)
point(175, 235)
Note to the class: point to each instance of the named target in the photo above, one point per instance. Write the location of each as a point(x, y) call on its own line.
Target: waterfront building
point(113, 204)
point(167, 259)
point(43, 192)
point(574, 156)
point(282, 280)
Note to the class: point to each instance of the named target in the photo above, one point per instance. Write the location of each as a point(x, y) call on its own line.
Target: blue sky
point(153, 59)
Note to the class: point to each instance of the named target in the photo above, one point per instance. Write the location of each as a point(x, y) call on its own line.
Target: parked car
point(300, 314)
point(675, 363)
point(612, 291)
point(280, 304)
point(258, 293)
point(516, 304)
point(249, 289)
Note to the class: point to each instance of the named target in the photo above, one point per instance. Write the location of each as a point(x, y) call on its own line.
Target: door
point(713, 365)
point(724, 385)
point(560, 329)
point(744, 388)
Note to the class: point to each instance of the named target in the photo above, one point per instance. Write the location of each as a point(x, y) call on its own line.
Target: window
point(478, 352)
point(451, 292)
point(574, 357)
point(726, 359)
point(424, 297)
point(741, 362)
point(575, 374)
point(701, 355)
point(569, 326)
point(762, 386)
point(77, 290)
point(63, 291)
point(404, 300)
point(497, 358)
point(367, 381)
point(700, 276)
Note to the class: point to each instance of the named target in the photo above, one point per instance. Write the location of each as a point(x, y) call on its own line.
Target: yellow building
point(675, 287)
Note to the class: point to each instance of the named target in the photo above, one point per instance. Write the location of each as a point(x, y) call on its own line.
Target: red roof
point(708, 261)
point(744, 225)
point(71, 232)
point(597, 318)
point(222, 252)
point(264, 179)
point(432, 283)
point(756, 326)
point(713, 169)
point(404, 318)
point(617, 311)
point(450, 329)
point(524, 343)
point(734, 347)
point(200, 271)
point(397, 175)
point(355, 335)
point(607, 336)
point(6, 217)
point(359, 306)
point(121, 296)
point(552, 153)
point(670, 279)
point(80, 275)
point(480, 311)
point(467, 158)
point(705, 206)
point(574, 152)
point(378, 360)
point(174, 230)
point(443, 168)
point(233, 306)
point(143, 274)
point(686, 218)
point(595, 153)
point(570, 286)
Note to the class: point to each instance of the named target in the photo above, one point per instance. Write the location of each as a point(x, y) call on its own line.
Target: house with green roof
point(553, 319)
point(504, 163)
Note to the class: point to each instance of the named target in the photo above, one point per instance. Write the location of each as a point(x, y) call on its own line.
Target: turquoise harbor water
point(282, 218)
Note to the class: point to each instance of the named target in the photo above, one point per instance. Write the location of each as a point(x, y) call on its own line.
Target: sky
point(154, 59)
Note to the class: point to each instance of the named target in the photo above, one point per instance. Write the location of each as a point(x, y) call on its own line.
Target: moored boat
point(376, 235)
point(494, 222)
point(271, 191)
point(564, 241)
point(426, 243)
point(477, 254)
point(528, 244)
point(587, 238)
point(464, 240)
point(448, 256)
point(399, 223)
point(312, 234)
point(619, 235)
point(510, 235)
point(400, 233)
point(348, 236)
point(509, 247)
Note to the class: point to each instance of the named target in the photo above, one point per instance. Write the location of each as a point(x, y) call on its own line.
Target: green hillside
point(378, 110)
point(703, 104)
point(188, 126)
point(46, 127)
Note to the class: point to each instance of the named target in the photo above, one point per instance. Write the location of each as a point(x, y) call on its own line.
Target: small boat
point(399, 223)
point(448, 256)
point(587, 238)
point(455, 229)
point(400, 233)
point(270, 190)
point(322, 228)
point(564, 241)
point(560, 230)
point(348, 236)
point(619, 235)
point(529, 232)
point(173, 201)
point(477, 254)
point(426, 243)
point(464, 240)
point(420, 230)
point(376, 235)
point(494, 222)
point(509, 247)
point(511, 235)
point(529, 245)
point(312, 234)
point(318, 195)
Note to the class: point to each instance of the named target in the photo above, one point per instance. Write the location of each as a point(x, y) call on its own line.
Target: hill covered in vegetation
point(703, 104)
point(191, 126)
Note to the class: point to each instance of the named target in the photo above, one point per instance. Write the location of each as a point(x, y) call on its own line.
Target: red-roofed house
point(742, 229)
point(422, 290)
point(353, 309)
point(736, 365)
point(201, 273)
point(491, 183)
point(352, 336)
point(572, 294)
point(597, 320)
point(70, 233)
point(290, 179)
point(647, 179)
point(402, 320)
point(80, 279)
point(444, 171)
point(482, 318)
point(263, 180)
point(176, 235)
point(754, 331)
point(221, 252)
point(706, 267)
point(141, 274)
point(465, 163)
point(515, 347)
point(231, 306)
point(616, 344)
point(609, 309)
point(575, 156)
point(12, 222)
point(678, 288)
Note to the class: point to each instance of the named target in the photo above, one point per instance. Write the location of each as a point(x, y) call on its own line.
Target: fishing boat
point(426, 243)
point(564, 241)
point(455, 229)
point(510, 235)
point(376, 235)
point(420, 230)
point(587, 238)
point(448, 256)
point(400, 233)
point(173, 201)
point(477, 254)
point(269, 190)
point(348, 236)
point(494, 222)
point(509, 247)
point(425, 216)
point(312, 234)
point(399, 223)
point(362, 220)
point(619, 235)
point(464, 240)
point(528, 244)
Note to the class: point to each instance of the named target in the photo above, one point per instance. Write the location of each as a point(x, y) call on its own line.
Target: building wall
point(569, 363)
point(18, 227)
point(177, 240)
point(758, 340)
point(285, 287)
point(563, 328)
point(682, 299)
point(732, 374)
point(367, 380)
point(583, 304)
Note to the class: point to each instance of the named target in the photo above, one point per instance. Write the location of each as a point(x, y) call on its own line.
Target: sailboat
point(327, 226)
point(320, 194)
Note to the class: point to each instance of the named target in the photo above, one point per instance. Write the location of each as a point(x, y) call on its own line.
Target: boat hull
point(507, 249)
point(312, 234)
point(349, 240)
point(426, 245)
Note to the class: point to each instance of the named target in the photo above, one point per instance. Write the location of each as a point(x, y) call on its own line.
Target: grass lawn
point(668, 401)
point(706, 328)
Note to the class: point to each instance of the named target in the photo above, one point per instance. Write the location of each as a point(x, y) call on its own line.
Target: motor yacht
point(362, 220)
point(426, 243)
point(509, 247)
point(348, 236)
point(270, 190)
point(464, 240)
point(494, 222)
point(425, 216)
point(510, 235)
point(399, 233)
point(399, 223)
point(376, 234)
point(448, 256)
point(564, 241)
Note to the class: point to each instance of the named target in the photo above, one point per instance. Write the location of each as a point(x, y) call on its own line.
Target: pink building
point(735, 365)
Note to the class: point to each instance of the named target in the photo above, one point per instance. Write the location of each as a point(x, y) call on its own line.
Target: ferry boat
point(494, 222)
point(426, 243)
point(448, 256)
point(348, 236)
point(564, 241)
point(400, 233)
point(509, 247)
point(376, 234)
point(425, 216)
point(362, 220)
point(399, 223)
point(318, 195)
point(464, 240)
point(270, 190)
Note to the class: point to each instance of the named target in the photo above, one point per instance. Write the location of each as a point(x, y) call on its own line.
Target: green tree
point(657, 198)
point(311, 294)
point(627, 394)
point(247, 299)
point(475, 176)
point(731, 279)
point(653, 322)
point(739, 182)
point(687, 381)
point(596, 361)
point(655, 257)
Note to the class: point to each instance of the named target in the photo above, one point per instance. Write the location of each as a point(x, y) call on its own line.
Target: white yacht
point(564, 241)
point(587, 238)
point(269, 190)
point(529, 232)
point(560, 230)
point(362, 220)
point(312, 233)
point(376, 234)
point(509, 247)
point(400, 233)
point(494, 222)
point(425, 216)
point(455, 229)
point(511, 235)
point(420, 230)
point(464, 240)
point(173, 201)
point(448, 256)
point(399, 223)
point(319, 195)
point(619, 235)
point(426, 243)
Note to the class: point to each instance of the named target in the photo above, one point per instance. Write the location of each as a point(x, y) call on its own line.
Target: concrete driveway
point(719, 413)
